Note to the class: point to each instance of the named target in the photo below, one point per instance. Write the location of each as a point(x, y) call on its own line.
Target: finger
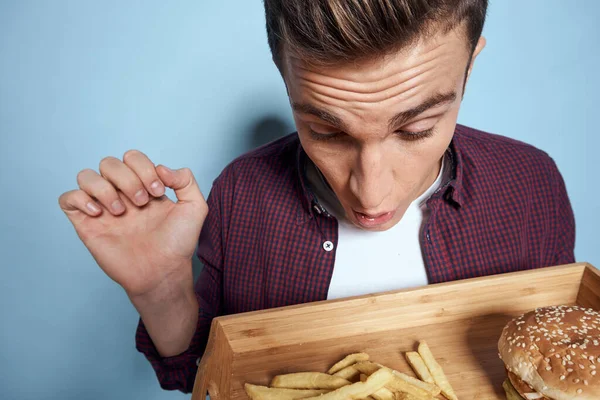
point(145, 170)
point(99, 188)
point(184, 184)
point(78, 200)
point(124, 180)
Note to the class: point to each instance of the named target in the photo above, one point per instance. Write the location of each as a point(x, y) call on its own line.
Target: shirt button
point(328, 246)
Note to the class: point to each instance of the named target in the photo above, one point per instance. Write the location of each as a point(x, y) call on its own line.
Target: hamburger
point(552, 353)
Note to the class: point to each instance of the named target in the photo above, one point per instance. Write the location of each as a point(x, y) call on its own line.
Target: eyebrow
point(434, 101)
point(398, 119)
point(319, 113)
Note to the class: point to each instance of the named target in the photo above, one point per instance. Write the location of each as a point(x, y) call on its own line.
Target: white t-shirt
point(371, 262)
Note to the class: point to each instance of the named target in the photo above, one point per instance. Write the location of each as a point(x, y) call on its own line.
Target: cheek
point(435, 146)
point(333, 160)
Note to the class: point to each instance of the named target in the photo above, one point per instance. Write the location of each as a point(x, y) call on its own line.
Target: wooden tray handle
point(204, 383)
point(209, 371)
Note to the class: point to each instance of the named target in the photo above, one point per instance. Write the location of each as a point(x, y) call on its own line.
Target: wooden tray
point(460, 320)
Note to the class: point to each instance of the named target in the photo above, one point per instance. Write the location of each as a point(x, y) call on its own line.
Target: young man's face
point(378, 129)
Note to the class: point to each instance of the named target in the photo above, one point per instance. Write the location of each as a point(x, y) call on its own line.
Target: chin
point(380, 228)
point(552, 353)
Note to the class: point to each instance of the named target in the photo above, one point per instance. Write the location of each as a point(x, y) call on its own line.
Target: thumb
point(182, 181)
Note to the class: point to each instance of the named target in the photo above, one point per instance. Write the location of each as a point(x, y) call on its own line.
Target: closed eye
point(410, 136)
point(323, 137)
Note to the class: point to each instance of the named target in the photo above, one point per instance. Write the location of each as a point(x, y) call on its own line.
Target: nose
point(371, 180)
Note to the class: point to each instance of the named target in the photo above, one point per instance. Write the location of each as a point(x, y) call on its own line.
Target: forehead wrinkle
point(420, 81)
point(347, 113)
point(357, 118)
point(328, 104)
point(442, 66)
point(393, 81)
point(392, 77)
point(369, 71)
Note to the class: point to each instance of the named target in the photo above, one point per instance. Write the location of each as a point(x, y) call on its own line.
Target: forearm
point(170, 315)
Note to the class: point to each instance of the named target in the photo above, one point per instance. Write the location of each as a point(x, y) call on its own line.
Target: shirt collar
point(454, 191)
point(310, 205)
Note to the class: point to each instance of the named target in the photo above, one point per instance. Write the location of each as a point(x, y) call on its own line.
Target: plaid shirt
point(505, 208)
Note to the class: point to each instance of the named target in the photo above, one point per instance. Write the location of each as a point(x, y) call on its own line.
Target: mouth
point(373, 220)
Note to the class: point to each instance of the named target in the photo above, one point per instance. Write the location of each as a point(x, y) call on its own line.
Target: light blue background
point(191, 83)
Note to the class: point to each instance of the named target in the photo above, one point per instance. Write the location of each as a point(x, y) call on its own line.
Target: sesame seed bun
point(555, 351)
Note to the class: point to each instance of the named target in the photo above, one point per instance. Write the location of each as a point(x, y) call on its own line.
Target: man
point(379, 189)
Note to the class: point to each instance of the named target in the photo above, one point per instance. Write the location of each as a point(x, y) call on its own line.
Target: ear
point(478, 49)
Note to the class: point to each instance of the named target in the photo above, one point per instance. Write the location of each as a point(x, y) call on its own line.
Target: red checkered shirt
point(505, 208)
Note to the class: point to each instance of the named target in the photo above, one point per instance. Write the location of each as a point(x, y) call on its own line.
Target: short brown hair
point(330, 31)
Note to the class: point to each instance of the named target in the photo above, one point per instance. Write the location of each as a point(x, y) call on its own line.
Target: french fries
point(355, 377)
point(348, 361)
point(418, 365)
point(405, 396)
point(367, 367)
point(433, 389)
point(266, 393)
point(347, 373)
point(397, 384)
point(359, 390)
point(308, 380)
point(436, 371)
point(381, 394)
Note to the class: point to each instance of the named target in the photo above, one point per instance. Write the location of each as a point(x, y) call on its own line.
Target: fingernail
point(94, 209)
point(141, 196)
point(118, 206)
point(157, 188)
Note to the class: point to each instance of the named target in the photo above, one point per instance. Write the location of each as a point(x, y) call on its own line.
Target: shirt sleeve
point(564, 224)
point(179, 372)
